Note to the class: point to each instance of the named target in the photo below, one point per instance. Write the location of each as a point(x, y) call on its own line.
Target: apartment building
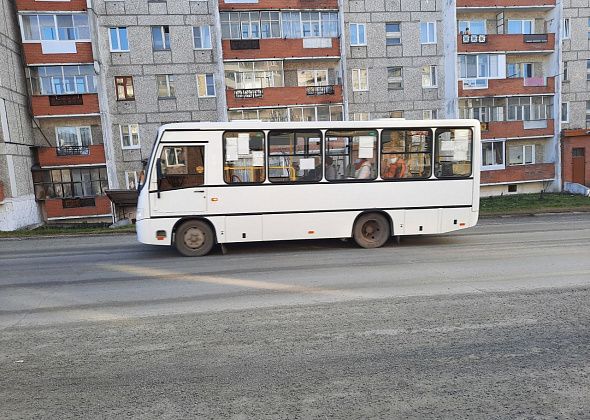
point(575, 106)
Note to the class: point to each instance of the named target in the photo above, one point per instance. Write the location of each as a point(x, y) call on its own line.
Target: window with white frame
point(175, 156)
point(254, 74)
point(521, 26)
point(473, 27)
point(62, 80)
point(358, 34)
point(565, 75)
point(230, 25)
point(521, 154)
point(62, 27)
point(312, 77)
point(529, 108)
point(361, 116)
point(394, 77)
point(291, 24)
point(484, 66)
point(565, 112)
point(588, 24)
point(311, 24)
point(202, 37)
point(587, 69)
point(587, 114)
point(492, 155)
point(129, 134)
point(160, 38)
point(270, 24)
point(205, 85)
point(429, 77)
point(118, 39)
point(566, 28)
point(250, 25)
point(73, 136)
point(166, 86)
point(131, 180)
point(330, 25)
point(393, 33)
point(519, 70)
point(430, 114)
point(428, 32)
point(360, 80)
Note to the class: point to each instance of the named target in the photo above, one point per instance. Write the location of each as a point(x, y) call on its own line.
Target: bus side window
point(294, 156)
point(243, 157)
point(406, 154)
point(182, 167)
point(351, 154)
point(453, 153)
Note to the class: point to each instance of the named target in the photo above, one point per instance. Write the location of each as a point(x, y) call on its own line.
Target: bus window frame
point(264, 150)
point(320, 155)
point(432, 153)
point(353, 180)
point(435, 152)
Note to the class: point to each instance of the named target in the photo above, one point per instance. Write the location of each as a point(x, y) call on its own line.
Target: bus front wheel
point(194, 238)
point(371, 230)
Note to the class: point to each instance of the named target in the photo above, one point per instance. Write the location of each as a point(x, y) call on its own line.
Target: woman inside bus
point(395, 168)
point(364, 170)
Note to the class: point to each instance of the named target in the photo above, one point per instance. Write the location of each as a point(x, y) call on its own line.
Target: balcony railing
point(72, 150)
point(244, 44)
point(72, 203)
point(248, 93)
point(319, 90)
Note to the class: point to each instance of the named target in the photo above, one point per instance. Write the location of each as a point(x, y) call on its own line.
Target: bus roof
point(258, 125)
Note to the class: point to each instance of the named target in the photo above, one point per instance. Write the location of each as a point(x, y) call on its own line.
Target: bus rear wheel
point(194, 238)
point(371, 230)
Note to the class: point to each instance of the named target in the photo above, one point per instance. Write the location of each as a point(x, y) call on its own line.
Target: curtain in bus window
point(243, 157)
point(406, 154)
point(453, 153)
point(182, 167)
point(294, 156)
point(351, 154)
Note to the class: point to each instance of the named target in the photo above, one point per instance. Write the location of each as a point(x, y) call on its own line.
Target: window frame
point(131, 146)
point(126, 97)
point(436, 131)
point(135, 180)
point(393, 35)
point(207, 95)
point(432, 76)
point(170, 81)
point(382, 154)
point(494, 166)
point(430, 37)
point(55, 27)
point(523, 149)
point(78, 135)
point(207, 38)
point(356, 74)
point(264, 156)
point(165, 36)
point(376, 146)
point(320, 154)
point(394, 79)
point(565, 120)
point(117, 30)
point(355, 30)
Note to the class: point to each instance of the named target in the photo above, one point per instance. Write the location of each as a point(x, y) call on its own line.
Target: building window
point(357, 34)
point(254, 74)
point(519, 70)
point(428, 32)
point(565, 112)
point(393, 33)
point(124, 88)
point(565, 75)
point(521, 26)
point(430, 114)
point(429, 77)
point(492, 155)
point(311, 24)
point(73, 136)
point(62, 80)
point(360, 80)
point(244, 157)
point(129, 136)
point(480, 66)
point(316, 113)
point(396, 114)
point(160, 38)
point(587, 69)
point(394, 78)
point(250, 25)
point(62, 27)
point(360, 116)
point(330, 25)
point(201, 37)
point(205, 85)
point(270, 24)
point(588, 28)
point(521, 154)
point(312, 78)
point(472, 27)
point(165, 83)
point(566, 28)
point(587, 114)
point(71, 183)
point(291, 24)
point(118, 39)
point(131, 180)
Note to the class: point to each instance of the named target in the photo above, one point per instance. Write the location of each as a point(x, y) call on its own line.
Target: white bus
point(217, 183)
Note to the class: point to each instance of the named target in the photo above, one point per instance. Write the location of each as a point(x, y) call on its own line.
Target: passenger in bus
point(364, 170)
point(331, 172)
point(396, 168)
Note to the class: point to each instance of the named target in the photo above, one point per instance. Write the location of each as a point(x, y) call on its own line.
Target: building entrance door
point(578, 165)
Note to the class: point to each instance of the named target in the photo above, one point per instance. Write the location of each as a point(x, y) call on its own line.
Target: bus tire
point(194, 238)
point(371, 230)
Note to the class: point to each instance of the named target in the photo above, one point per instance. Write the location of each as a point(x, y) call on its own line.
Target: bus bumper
point(155, 231)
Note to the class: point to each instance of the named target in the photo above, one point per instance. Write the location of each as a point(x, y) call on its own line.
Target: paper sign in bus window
point(366, 147)
point(306, 164)
point(231, 149)
point(243, 143)
point(257, 158)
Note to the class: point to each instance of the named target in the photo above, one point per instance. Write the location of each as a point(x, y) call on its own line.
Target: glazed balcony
point(281, 96)
point(506, 43)
point(507, 87)
point(282, 5)
point(59, 208)
point(519, 173)
point(71, 155)
point(39, 53)
point(53, 105)
point(514, 129)
point(51, 6)
point(249, 49)
point(501, 4)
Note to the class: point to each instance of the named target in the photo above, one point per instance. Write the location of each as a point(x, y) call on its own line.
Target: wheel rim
point(194, 238)
point(371, 231)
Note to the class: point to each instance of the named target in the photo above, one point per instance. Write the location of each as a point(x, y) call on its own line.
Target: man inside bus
point(331, 172)
point(365, 169)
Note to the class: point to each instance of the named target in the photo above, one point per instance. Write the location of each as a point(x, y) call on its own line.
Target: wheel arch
point(190, 218)
point(381, 212)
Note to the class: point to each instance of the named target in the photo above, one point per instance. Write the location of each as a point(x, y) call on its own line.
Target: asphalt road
point(490, 322)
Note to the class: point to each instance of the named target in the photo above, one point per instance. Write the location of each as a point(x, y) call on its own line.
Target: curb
point(75, 235)
point(552, 212)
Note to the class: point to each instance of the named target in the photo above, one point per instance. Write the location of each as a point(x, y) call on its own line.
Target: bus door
point(180, 179)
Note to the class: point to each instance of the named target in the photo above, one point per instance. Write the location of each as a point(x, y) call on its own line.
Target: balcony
point(507, 87)
point(281, 48)
point(35, 54)
point(515, 129)
point(59, 208)
point(501, 4)
point(284, 4)
point(1, 192)
point(281, 96)
point(519, 173)
point(66, 156)
point(53, 105)
point(509, 43)
point(51, 6)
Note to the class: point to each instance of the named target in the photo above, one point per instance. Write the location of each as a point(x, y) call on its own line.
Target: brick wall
point(54, 208)
point(512, 129)
point(34, 54)
point(507, 3)
point(283, 4)
point(569, 142)
point(48, 6)
point(508, 87)
point(281, 48)
point(284, 96)
point(41, 106)
point(519, 173)
point(48, 157)
point(506, 42)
